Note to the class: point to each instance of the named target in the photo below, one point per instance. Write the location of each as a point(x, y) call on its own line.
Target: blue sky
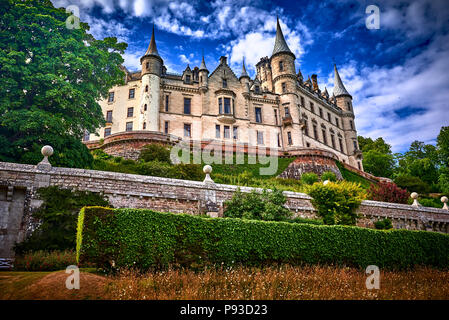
point(398, 74)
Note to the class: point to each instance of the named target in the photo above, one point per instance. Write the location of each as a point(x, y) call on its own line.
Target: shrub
point(337, 203)
point(155, 152)
point(57, 216)
point(45, 261)
point(187, 172)
point(328, 176)
point(309, 178)
point(412, 184)
point(384, 224)
point(388, 192)
point(146, 239)
point(267, 206)
point(305, 220)
point(431, 202)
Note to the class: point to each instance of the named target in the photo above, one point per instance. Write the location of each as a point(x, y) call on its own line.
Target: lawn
point(271, 283)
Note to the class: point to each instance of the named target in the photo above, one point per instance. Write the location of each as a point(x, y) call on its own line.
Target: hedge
point(147, 239)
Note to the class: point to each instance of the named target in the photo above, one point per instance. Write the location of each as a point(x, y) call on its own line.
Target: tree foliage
point(51, 78)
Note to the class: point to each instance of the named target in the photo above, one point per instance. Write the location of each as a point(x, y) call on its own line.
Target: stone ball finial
point(414, 195)
point(444, 200)
point(207, 169)
point(47, 151)
point(326, 182)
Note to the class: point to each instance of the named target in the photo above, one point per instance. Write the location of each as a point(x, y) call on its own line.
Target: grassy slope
point(353, 177)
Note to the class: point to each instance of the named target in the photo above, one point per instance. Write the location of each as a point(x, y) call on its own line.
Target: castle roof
point(152, 48)
point(244, 73)
point(280, 45)
point(203, 65)
point(339, 88)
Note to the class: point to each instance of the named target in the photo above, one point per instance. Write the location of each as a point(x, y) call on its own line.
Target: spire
point(244, 73)
point(203, 64)
point(299, 75)
point(152, 49)
point(339, 88)
point(280, 45)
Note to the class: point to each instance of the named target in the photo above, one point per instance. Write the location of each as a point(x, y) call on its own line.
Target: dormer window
point(281, 65)
point(225, 83)
point(257, 89)
point(187, 78)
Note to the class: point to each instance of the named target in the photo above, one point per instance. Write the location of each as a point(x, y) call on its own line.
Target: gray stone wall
point(19, 182)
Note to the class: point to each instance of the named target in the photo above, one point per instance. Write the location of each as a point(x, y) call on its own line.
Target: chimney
point(315, 82)
point(223, 60)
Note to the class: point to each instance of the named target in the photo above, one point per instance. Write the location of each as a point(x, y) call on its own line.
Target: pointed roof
point(152, 48)
point(325, 93)
point(339, 88)
point(203, 65)
point(280, 45)
point(244, 73)
point(299, 75)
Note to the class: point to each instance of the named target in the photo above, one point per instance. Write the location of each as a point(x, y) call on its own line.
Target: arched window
point(146, 88)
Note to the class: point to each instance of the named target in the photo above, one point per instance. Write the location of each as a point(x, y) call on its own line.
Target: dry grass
point(283, 283)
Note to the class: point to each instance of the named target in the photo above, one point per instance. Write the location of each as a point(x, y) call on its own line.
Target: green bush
point(58, 215)
point(431, 202)
point(45, 261)
point(269, 206)
point(384, 224)
point(412, 184)
point(309, 178)
point(146, 239)
point(155, 152)
point(328, 176)
point(337, 203)
point(305, 220)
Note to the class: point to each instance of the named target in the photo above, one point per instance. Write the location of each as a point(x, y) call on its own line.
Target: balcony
point(287, 120)
point(227, 118)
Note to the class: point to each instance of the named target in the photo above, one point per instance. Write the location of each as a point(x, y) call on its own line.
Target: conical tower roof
point(280, 45)
point(203, 65)
point(339, 88)
point(244, 73)
point(152, 48)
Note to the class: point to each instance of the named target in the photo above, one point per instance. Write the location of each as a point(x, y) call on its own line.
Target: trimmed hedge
point(147, 239)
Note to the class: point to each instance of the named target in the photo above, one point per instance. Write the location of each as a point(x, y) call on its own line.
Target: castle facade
point(276, 110)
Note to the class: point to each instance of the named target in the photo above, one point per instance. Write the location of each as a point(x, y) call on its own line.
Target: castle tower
point(284, 83)
point(244, 77)
point(204, 74)
point(151, 80)
point(344, 101)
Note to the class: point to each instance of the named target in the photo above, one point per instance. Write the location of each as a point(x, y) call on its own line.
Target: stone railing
point(19, 183)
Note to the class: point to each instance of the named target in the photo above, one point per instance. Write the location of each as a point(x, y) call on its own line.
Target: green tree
point(443, 145)
point(367, 144)
point(377, 157)
point(51, 78)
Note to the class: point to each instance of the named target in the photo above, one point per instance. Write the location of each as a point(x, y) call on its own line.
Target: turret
point(151, 80)
point(204, 74)
point(343, 98)
point(244, 77)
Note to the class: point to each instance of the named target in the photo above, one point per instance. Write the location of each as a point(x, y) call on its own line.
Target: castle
point(277, 110)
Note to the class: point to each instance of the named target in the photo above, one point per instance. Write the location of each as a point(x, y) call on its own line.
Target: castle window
point(341, 144)
point(131, 93)
point(226, 132)
point(329, 117)
point(111, 97)
point(107, 132)
point(201, 79)
point(144, 126)
point(275, 117)
point(337, 123)
point(217, 131)
point(281, 65)
point(130, 112)
point(279, 140)
point(187, 78)
point(302, 102)
point(321, 112)
point(235, 131)
point(315, 132)
point(349, 106)
point(146, 88)
point(259, 137)
point(187, 103)
point(358, 164)
point(166, 127)
point(351, 124)
point(289, 137)
point(323, 131)
point(86, 135)
point(129, 126)
point(166, 102)
point(284, 87)
point(355, 145)
point(225, 83)
point(220, 105)
point(109, 116)
point(287, 111)
point(148, 65)
point(257, 89)
point(308, 144)
point(187, 130)
point(312, 108)
point(258, 115)
point(306, 127)
point(227, 105)
point(333, 140)
point(145, 107)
